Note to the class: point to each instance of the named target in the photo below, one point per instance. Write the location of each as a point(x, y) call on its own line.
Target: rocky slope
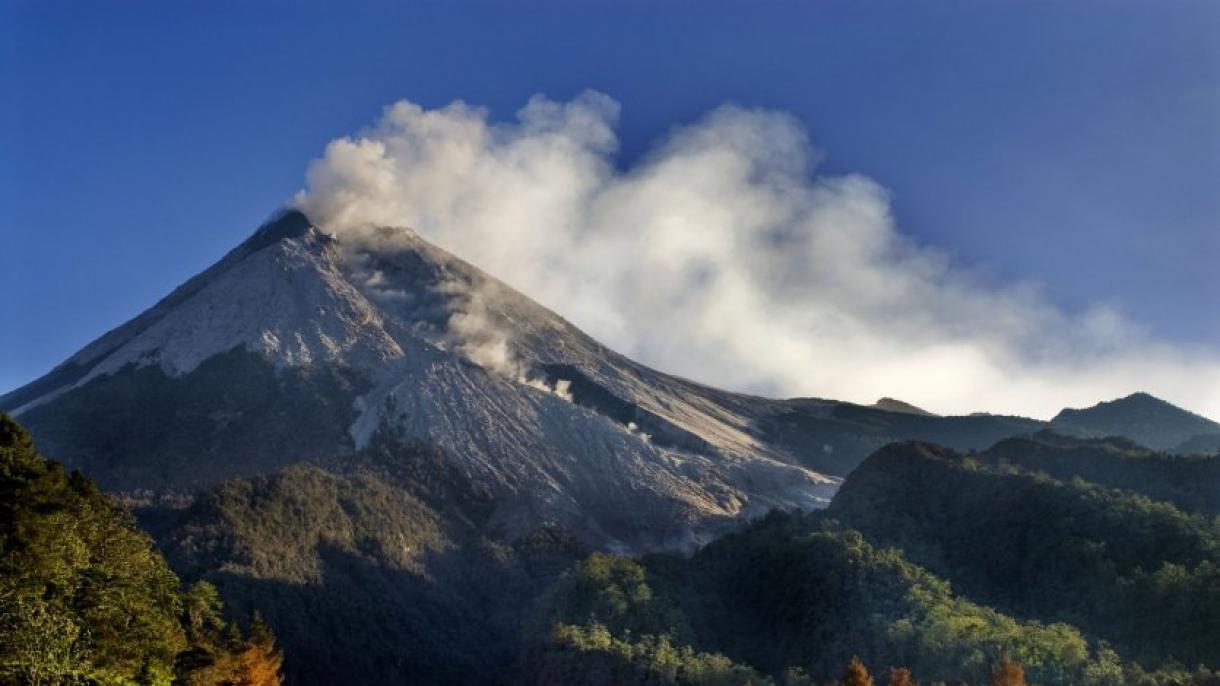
point(299, 347)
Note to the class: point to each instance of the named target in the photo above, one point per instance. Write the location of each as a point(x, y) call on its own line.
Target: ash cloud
point(725, 257)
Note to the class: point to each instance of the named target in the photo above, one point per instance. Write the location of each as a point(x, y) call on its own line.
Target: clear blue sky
point(1077, 144)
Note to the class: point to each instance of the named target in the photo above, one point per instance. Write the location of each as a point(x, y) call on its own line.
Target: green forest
point(1043, 560)
point(85, 598)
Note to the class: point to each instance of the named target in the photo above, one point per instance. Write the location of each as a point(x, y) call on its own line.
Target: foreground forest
point(85, 598)
point(1044, 560)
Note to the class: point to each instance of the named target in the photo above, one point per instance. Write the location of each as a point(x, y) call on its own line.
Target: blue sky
point(1073, 144)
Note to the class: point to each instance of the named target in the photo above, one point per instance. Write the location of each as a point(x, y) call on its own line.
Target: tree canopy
point(86, 598)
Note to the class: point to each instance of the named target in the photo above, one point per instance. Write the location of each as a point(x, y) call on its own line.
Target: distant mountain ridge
point(895, 405)
point(1141, 417)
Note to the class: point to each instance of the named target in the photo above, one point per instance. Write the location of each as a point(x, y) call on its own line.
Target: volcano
point(299, 346)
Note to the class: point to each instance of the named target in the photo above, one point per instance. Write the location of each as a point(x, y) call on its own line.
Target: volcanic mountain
point(300, 346)
point(393, 457)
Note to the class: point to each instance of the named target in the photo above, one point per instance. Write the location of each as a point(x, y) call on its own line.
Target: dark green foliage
point(387, 568)
point(376, 573)
point(796, 594)
point(84, 596)
point(962, 432)
point(233, 415)
point(1139, 573)
point(575, 655)
point(613, 592)
point(1192, 482)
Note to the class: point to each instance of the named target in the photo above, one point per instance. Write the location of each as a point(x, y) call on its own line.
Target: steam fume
point(723, 256)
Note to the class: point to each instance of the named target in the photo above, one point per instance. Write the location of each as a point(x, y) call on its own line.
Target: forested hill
point(1027, 560)
point(1190, 481)
point(384, 567)
point(85, 598)
point(930, 564)
point(1140, 573)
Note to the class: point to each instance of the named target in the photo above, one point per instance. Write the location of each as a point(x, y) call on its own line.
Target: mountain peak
point(298, 346)
point(1143, 417)
point(286, 223)
point(894, 405)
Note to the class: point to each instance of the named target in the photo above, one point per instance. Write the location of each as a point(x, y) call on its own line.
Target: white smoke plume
point(723, 257)
point(474, 334)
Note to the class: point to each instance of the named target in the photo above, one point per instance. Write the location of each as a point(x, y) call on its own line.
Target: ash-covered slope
point(300, 347)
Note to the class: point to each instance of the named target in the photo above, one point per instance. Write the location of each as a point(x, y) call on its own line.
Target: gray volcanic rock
point(298, 346)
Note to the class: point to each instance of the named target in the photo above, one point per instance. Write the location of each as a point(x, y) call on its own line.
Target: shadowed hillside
point(1141, 417)
point(1137, 572)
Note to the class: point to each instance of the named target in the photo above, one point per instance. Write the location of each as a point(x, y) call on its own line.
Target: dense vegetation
point(86, 599)
point(1072, 561)
point(794, 596)
point(1191, 482)
point(378, 571)
point(1112, 585)
point(1139, 573)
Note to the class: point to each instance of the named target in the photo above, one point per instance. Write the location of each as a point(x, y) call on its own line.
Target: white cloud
point(722, 257)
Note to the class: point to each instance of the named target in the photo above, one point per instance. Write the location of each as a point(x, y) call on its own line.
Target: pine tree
point(201, 609)
point(856, 674)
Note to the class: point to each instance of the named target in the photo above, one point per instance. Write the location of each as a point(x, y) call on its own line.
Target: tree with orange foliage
point(901, 676)
point(1007, 673)
point(235, 661)
point(856, 674)
point(259, 663)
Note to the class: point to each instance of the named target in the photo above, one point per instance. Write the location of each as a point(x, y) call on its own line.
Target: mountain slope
point(1143, 418)
point(794, 596)
point(366, 577)
point(1139, 573)
point(299, 347)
